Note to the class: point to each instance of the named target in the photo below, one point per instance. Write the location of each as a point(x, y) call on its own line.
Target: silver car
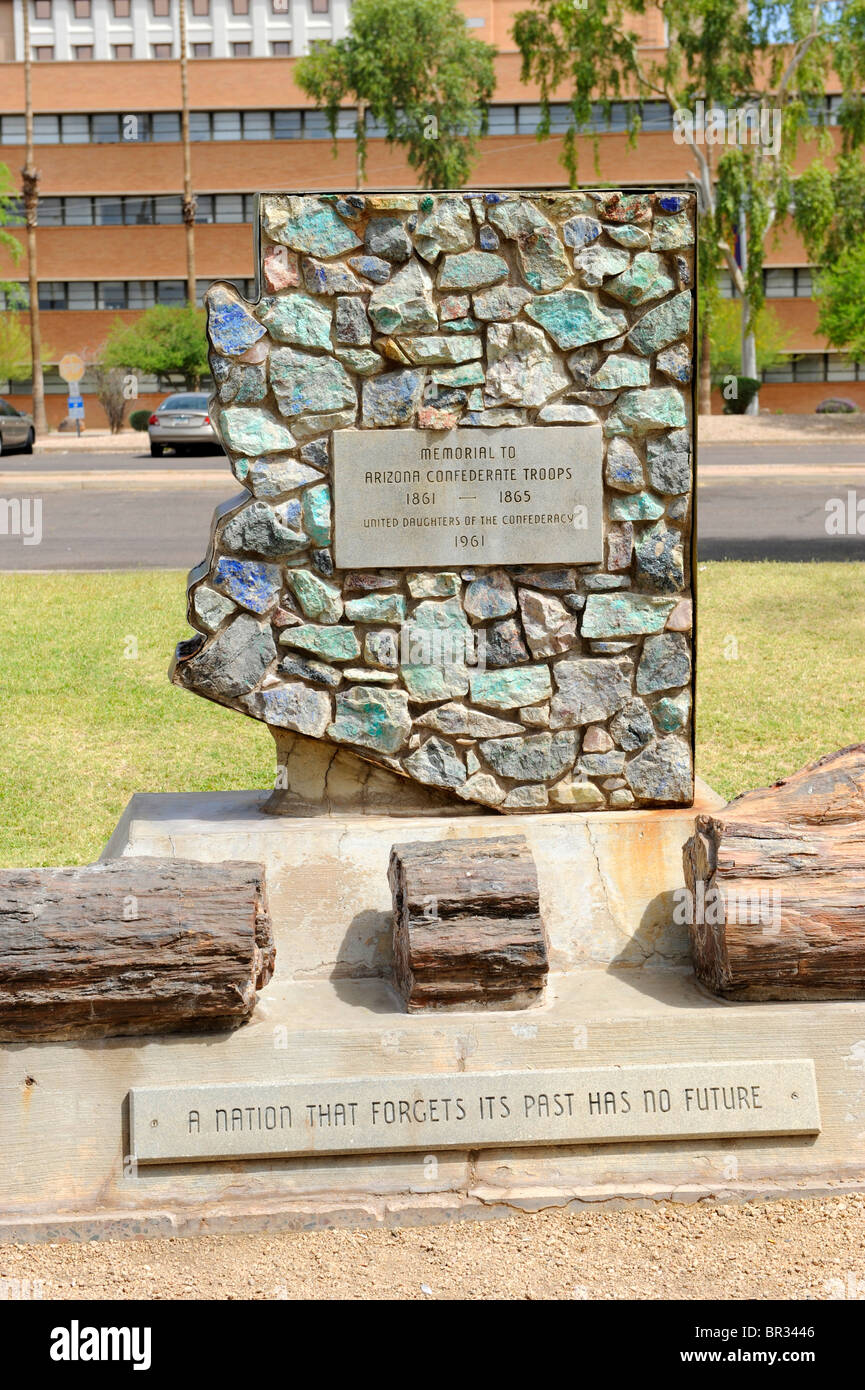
point(16, 429)
point(182, 423)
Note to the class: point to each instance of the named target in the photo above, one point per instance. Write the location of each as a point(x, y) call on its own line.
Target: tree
point(189, 199)
point(9, 243)
point(418, 72)
point(14, 347)
point(166, 342)
point(841, 297)
point(110, 383)
point(766, 64)
point(770, 336)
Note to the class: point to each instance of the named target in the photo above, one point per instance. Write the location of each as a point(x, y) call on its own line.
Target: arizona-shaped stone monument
point(463, 426)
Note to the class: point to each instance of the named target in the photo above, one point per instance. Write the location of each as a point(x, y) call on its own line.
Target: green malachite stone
point(316, 513)
point(618, 614)
point(573, 318)
point(333, 643)
point(376, 608)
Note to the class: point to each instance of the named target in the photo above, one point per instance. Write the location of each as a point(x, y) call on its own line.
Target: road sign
point(76, 407)
point(71, 367)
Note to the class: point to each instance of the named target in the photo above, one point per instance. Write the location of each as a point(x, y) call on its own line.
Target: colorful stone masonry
point(432, 311)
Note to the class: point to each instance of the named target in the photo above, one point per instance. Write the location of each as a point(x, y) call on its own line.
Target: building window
point(202, 50)
point(52, 294)
point(240, 6)
point(320, 6)
point(281, 49)
point(83, 52)
point(162, 50)
point(123, 52)
point(201, 7)
point(122, 9)
point(42, 9)
point(82, 9)
point(241, 50)
point(43, 53)
point(161, 9)
point(165, 127)
point(105, 129)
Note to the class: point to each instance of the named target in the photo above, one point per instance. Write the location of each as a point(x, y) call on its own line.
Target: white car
point(182, 423)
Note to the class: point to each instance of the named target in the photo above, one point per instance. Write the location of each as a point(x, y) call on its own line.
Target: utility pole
point(189, 201)
point(30, 192)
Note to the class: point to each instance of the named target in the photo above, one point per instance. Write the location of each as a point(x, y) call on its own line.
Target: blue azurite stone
point(231, 327)
point(249, 582)
point(671, 202)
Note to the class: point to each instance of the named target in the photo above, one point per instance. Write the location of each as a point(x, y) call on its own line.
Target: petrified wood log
point(131, 946)
point(777, 880)
point(467, 929)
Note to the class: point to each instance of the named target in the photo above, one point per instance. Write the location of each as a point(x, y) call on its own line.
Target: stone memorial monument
point(462, 423)
point(456, 584)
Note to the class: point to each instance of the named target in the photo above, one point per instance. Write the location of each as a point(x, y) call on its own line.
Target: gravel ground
point(795, 1249)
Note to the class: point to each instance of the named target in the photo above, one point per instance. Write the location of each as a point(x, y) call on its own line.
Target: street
point(128, 511)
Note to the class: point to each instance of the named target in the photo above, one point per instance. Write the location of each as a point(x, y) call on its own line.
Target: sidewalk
point(93, 442)
point(781, 429)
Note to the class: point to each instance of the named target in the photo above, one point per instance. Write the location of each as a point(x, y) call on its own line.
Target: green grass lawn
point(90, 717)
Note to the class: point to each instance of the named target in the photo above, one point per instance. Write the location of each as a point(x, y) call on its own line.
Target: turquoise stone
point(306, 384)
point(638, 412)
point(472, 270)
point(671, 712)
point(254, 432)
point(573, 318)
point(376, 608)
point(332, 643)
point(639, 506)
point(663, 325)
point(308, 224)
point(316, 514)
point(511, 689)
point(320, 601)
point(295, 318)
point(371, 718)
point(619, 614)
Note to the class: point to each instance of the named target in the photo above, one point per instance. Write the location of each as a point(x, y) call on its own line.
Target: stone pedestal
point(620, 996)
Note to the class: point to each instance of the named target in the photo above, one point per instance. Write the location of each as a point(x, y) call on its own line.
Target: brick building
point(106, 87)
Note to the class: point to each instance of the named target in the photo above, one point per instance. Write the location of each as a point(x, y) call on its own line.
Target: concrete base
point(619, 995)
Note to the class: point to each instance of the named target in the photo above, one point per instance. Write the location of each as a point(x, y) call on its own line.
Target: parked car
point(17, 430)
point(182, 423)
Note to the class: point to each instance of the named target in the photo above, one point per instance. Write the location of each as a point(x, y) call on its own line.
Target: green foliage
point(166, 342)
point(770, 56)
point(417, 70)
point(830, 207)
point(9, 243)
point(14, 348)
point(841, 296)
point(725, 334)
point(138, 419)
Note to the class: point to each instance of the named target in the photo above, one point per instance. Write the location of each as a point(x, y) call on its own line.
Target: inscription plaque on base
point(509, 496)
point(470, 1111)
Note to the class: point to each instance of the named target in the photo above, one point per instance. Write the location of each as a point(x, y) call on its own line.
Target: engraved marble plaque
point(469, 1111)
point(468, 496)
